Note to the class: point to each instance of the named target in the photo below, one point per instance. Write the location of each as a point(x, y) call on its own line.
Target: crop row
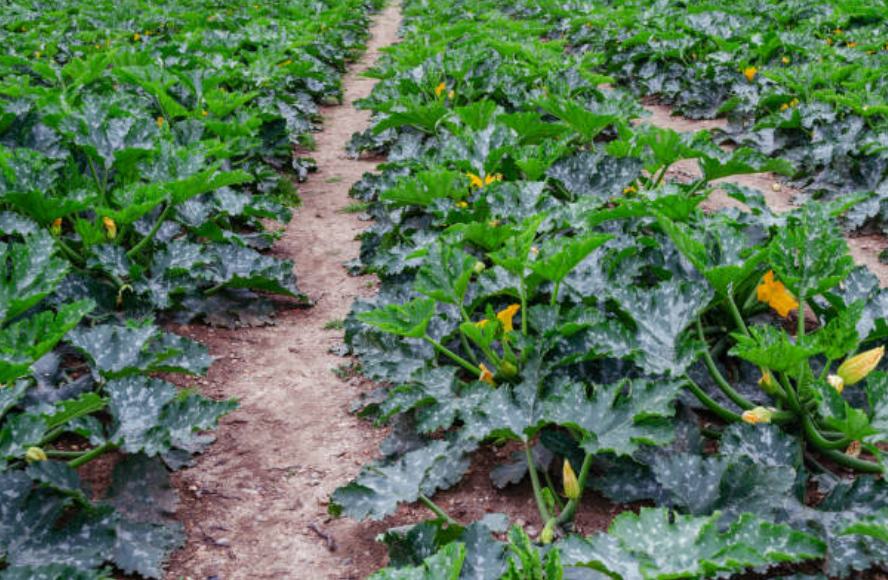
point(543, 285)
point(141, 145)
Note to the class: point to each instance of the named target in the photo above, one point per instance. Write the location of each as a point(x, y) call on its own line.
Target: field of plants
point(549, 286)
point(141, 148)
point(545, 286)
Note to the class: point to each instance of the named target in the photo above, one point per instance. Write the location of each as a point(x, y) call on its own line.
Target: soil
point(255, 505)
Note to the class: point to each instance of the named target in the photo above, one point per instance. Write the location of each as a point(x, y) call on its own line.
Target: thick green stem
point(568, 513)
point(819, 440)
point(68, 251)
point(523, 308)
point(710, 404)
point(728, 390)
point(64, 454)
point(150, 235)
point(853, 462)
point(535, 482)
point(551, 485)
point(90, 455)
point(554, 298)
point(738, 318)
point(437, 510)
point(458, 359)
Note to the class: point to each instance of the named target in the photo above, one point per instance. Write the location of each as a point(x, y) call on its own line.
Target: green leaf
point(741, 161)
point(28, 273)
point(425, 187)
point(577, 117)
point(383, 485)
point(557, 260)
point(444, 565)
point(619, 417)
point(661, 315)
point(773, 349)
point(445, 274)
point(410, 319)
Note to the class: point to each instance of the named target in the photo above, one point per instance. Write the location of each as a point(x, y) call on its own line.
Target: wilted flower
point(35, 454)
point(758, 415)
point(836, 382)
point(486, 375)
point(859, 366)
point(775, 294)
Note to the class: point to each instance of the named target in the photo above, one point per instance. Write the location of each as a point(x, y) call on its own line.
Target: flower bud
point(757, 415)
point(486, 375)
point(509, 370)
point(548, 533)
point(56, 227)
point(479, 267)
point(110, 228)
point(859, 366)
point(766, 383)
point(836, 382)
point(571, 485)
point(34, 454)
point(853, 449)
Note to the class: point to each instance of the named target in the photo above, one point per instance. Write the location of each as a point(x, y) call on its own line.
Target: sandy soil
point(251, 501)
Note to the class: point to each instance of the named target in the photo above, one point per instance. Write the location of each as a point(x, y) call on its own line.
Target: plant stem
point(853, 462)
point(555, 294)
point(72, 255)
point(710, 404)
point(90, 455)
point(535, 482)
point(134, 251)
point(523, 308)
point(437, 510)
point(819, 440)
point(728, 390)
point(63, 454)
point(568, 513)
point(551, 485)
point(444, 350)
point(738, 318)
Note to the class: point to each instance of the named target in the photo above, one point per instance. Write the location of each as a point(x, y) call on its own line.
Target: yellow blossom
point(481, 323)
point(475, 180)
point(784, 106)
point(630, 189)
point(56, 227)
point(160, 121)
point(794, 103)
point(440, 89)
point(462, 204)
point(851, 44)
point(829, 41)
point(494, 223)
point(486, 375)
point(451, 95)
point(766, 383)
point(837, 32)
point(37, 54)
point(35, 454)
point(750, 72)
point(137, 36)
point(859, 366)
point(775, 294)
point(505, 317)
point(204, 113)
point(785, 60)
point(757, 415)
point(571, 484)
point(110, 228)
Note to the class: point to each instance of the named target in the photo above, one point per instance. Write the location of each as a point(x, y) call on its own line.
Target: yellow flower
point(451, 95)
point(110, 228)
point(766, 383)
point(775, 294)
point(35, 454)
point(136, 36)
point(534, 250)
point(440, 89)
point(750, 72)
point(853, 449)
point(56, 227)
point(794, 103)
point(481, 323)
point(588, 25)
point(160, 122)
point(475, 180)
point(784, 106)
point(837, 32)
point(486, 375)
point(630, 189)
point(850, 44)
point(37, 54)
point(462, 204)
point(859, 366)
point(494, 223)
point(836, 382)
point(147, 33)
point(204, 113)
point(571, 484)
point(757, 415)
point(829, 41)
point(505, 317)
point(287, 62)
point(785, 60)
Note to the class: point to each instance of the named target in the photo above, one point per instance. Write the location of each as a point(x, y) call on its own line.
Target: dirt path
point(865, 248)
point(251, 502)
